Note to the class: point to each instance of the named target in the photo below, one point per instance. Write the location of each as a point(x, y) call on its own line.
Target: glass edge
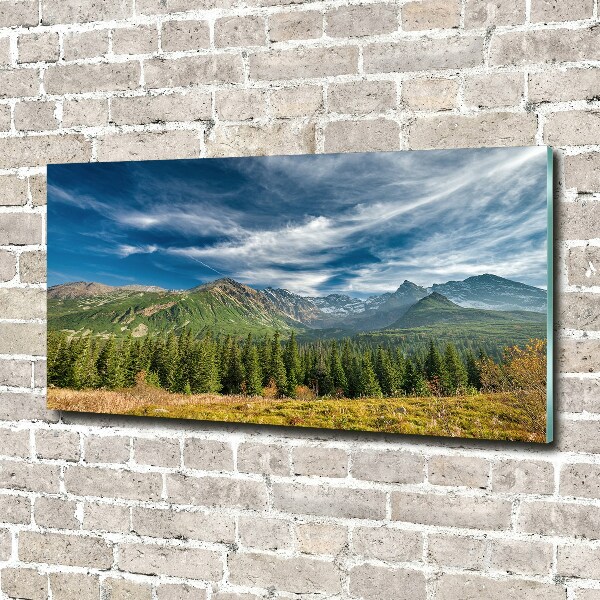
point(550, 299)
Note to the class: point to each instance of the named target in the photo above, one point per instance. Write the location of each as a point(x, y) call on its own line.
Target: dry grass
point(500, 416)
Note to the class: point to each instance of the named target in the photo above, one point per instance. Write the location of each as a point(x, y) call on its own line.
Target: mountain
point(338, 305)
point(222, 306)
point(83, 289)
point(435, 308)
point(294, 306)
point(493, 292)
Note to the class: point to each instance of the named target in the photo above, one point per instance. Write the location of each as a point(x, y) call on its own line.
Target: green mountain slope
point(224, 306)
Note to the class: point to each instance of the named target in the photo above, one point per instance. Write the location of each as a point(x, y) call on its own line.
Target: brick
point(73, 79)
point(30, 407)
point(241, 105)
point(523, 477)
point(35, 116)
point(33, 151)
point(267, 459)
point(106, 449)
point(14, 443)
point(29, 477)
point(235, 596)
point(588, 594)
point(522, 557)
point(240, 31)
point(149, 146)
point(362, 136)
point(217, 491)
point(24, 584)
point(22, 303)
point(19, 13)
point(388, 466)
point(579, 356)
point(329, 501)
point(300, 25)
point(85, 113)
point(85, 44)
point(208, 455)
point(578, 220)
point(457, 551)
point(13, 190)
point(171, 524)
point(361, 97)
point(193, 70)
point(564, 85)
point(5, 118)
point(19, 83)
point(459, 470)
point(32, 267)
point(551, 10)
point(581, 480)
point(474, 587)
point(430, 94)
point(373, 582)
point(141, 39)
point(109, 483)
point(68, 550)
point(15, 509)
point(40, 375)
point(303, 62)
point(578, 560)
point(544, 46)
point(296, 101)
point(359, 21)
point(56, 444)
point(185, 35)
point(283, 137)
point(181, 591)
point(37, 188)
point(156, 7)
point(578, 395)
point(15, 373)
point(423, 55)
point(580, 172)
point(302, 575)
point(577, 311)
point(190, 106)
point(451, 511)
point(123, 589)
point(56, 513)
point(496, 90)
point(430, 14)
point(74, 586)
point(579, 436)
point(492, 129)
point(385, 543)
point(5, 545)
point(572, 127)
point(264, 534)
point(8, 265)
point(84, 11)
point(321, 462)
point(157, 452)
point(566, 519)
point(5, 52)
point(175, 561)
point(491, 13)
point(106, 517)
point(20, 229)
point(321, 538)
point(38, 47)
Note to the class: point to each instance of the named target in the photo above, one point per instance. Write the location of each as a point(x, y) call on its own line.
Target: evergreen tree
point(435, 370)
point(456, 372)
point(413, 383)
point(110, 373)
point(291, 358)
point(473, 372)
point(83, 371)
point(278, 373)
point(253, 381)
point(336, 369)
point(369, 386)
point(265, 360)
point(386, 373)
point(234, 376)
point(206, 371)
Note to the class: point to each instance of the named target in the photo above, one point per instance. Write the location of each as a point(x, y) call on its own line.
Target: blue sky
point(315, 224)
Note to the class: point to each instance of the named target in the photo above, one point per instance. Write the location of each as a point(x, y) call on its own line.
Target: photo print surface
point(396, 292)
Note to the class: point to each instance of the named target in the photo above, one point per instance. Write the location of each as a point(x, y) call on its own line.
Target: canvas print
point(396, 292)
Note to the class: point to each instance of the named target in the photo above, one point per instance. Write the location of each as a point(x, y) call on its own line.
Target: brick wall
point(117, 508)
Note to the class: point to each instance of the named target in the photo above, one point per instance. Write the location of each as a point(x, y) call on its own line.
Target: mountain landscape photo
point(338, 291)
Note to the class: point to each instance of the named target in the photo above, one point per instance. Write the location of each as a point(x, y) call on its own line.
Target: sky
point(314, 224)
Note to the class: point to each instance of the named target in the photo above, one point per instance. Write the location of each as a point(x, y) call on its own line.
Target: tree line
point(186, 364)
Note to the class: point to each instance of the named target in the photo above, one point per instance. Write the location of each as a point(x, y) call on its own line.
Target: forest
point(347, 368)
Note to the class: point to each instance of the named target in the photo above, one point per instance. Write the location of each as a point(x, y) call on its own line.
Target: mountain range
point(227, 306)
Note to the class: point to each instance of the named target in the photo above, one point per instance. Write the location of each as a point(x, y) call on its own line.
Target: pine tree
point(435, 370)
point(84, 373)
point(265, 360)
point(278, 373)
point(473, 372)
point(338, 375)
point(291, 358)
point(110, 373)
point(234, 376)
point(206, 370)
point(456, 372)
point(386, 373)
point(413, 383)
point(369, 386)
point(253, 381)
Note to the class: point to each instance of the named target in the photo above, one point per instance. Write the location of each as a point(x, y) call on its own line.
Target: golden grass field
point(498, 416)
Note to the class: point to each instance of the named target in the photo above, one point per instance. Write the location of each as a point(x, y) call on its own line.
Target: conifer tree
point(413, 383)
point(386, 373)
point(253, 381)
point(83, 371)
point(278, 373)
point(456, 372)
point(265, 360)
point(206, 370)
point(234, 376)
point(369, 386)
point(110, 373)
point(435, 370)
point(473, 372)
point(338, 375)
point(291, 358)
